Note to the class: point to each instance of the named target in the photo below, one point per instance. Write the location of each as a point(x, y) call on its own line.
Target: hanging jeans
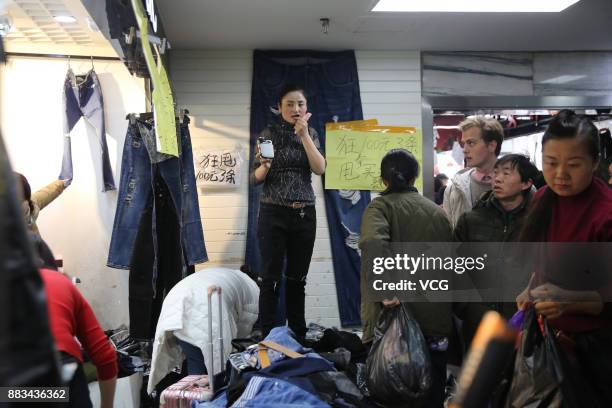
point(120, 17)
point(157, 261)
point(157, 232)
point(282, 231)
point(332, 87)
point(136, 186)
point(83, 98)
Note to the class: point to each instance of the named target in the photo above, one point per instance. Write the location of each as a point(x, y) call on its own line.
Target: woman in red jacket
point(71, 318)
point(574, 206)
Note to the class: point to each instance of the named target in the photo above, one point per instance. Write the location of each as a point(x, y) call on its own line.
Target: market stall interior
point(523, 118)
point(198, 188)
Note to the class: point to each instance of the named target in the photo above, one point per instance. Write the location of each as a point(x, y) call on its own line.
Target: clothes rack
point(142, 116)
point(61, 56)
point(162, 42)
point(149, 115)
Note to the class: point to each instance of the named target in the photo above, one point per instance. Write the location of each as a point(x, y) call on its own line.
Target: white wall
point(216, 87)
point(78, 224)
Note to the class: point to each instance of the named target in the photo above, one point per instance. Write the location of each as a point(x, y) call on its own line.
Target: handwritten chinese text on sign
point(218, 168)
point(354, 155)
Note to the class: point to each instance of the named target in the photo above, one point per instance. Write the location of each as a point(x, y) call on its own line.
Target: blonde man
point(481, 139)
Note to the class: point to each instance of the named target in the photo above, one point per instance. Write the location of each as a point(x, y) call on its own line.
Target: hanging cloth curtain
point(332, 89)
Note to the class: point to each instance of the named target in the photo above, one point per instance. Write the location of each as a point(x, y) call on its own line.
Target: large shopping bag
point(543, 376)
point(398, 366)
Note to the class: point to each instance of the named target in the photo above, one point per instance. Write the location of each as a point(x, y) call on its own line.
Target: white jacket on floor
point(184, 315)
point(458, 195)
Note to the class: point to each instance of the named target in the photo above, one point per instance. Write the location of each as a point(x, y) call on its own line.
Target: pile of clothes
point(132, 356)
point(327, 371)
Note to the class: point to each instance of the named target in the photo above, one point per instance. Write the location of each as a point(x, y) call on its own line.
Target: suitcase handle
point(211, 373)
point(197, 381)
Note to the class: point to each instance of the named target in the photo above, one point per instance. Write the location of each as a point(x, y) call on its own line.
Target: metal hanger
point(142, 116)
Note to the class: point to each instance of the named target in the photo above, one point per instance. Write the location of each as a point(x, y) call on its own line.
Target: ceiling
point(35, 31)
point(287, 24)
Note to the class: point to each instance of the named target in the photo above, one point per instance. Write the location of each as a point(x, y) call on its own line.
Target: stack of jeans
point(157, 233)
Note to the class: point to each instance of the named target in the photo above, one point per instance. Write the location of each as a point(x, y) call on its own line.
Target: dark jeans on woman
point(77, 387)
point(438, 379)
point(195, 358)
point(284, 232)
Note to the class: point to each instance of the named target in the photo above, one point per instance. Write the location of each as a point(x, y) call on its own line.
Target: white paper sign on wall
point(221, 168)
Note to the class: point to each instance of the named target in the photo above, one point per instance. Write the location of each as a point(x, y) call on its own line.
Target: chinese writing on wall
point(218, 168)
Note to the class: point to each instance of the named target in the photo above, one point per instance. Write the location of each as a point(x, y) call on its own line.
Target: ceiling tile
point(36, 31)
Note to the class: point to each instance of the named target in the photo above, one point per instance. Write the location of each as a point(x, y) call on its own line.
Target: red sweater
point(71, 316)
point(586, 217)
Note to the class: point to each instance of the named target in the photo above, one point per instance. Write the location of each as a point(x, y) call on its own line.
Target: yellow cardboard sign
point(163, 102)
point(354, 154)
point(351, 124)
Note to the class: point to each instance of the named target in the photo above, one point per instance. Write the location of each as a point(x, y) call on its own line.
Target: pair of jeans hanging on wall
point(83, 98)
point(332, 89)
point(157, 232)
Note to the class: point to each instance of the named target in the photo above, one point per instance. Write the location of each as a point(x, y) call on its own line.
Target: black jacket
point(489, 222)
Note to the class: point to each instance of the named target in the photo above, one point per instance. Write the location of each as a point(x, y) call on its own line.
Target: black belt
point(296, 205)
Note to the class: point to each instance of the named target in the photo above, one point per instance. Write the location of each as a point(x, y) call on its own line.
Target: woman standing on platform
point(287, 217)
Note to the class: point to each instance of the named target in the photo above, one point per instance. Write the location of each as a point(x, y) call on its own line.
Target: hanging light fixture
point(324, 25)
point(474, 6)
point(65, 19)
point(6, 24)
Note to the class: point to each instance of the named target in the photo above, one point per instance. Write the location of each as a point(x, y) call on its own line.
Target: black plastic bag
point(542, 374)
point(594, 353)
point(398, 366)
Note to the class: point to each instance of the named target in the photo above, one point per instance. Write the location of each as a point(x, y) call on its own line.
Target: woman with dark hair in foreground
point(401, 214)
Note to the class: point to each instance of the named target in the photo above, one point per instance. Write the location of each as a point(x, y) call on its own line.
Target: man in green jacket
point(497, 217)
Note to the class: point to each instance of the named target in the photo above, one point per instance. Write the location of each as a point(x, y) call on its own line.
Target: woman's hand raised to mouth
point(301, 125)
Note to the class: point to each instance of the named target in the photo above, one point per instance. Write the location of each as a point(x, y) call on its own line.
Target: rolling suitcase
point(198, 387)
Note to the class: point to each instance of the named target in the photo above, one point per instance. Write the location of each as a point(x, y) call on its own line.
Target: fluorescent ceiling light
point(563, 79)
point(474, 6)
point(64, 19)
